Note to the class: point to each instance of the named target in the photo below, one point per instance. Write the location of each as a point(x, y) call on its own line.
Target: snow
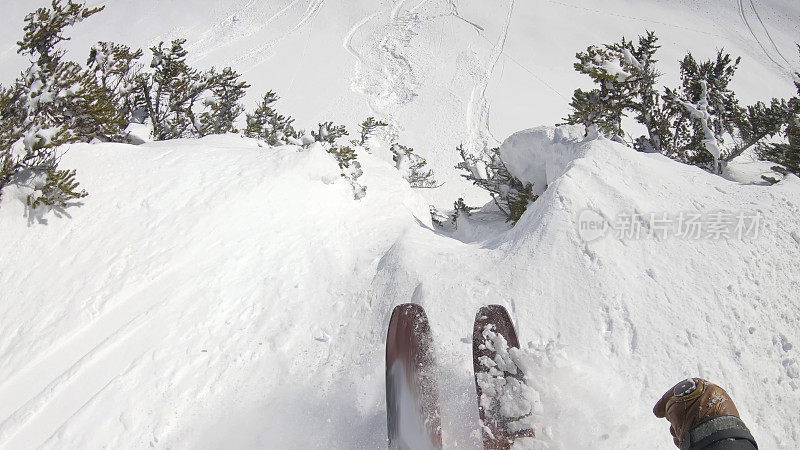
point(453, 78)
point(180, 286)
point(223, 294)
point(511, 398)
point(216, 293)
point(614, 68)
point(139, 133)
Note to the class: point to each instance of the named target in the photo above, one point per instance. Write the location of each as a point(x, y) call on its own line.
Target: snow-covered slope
point(204, 287)
point(217, 294)
point(442, 71)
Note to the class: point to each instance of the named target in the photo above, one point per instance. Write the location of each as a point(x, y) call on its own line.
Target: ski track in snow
point(478, 106)
point(348, 40)
point(766, 52)
point(769, 36)
point(258, 55)
point(218, 37)
point(629, 17)
point(387, 79)
point(244, 24)
point(36, 403)
point(383, 74)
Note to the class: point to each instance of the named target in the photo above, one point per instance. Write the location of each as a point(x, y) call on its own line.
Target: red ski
point(497, 377)
point(412, 402)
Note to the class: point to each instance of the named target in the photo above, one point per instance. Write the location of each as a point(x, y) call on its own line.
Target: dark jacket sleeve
point(732, 444)
point(719, 433)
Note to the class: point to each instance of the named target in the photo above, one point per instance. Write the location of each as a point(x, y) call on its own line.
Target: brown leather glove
point(690, 402)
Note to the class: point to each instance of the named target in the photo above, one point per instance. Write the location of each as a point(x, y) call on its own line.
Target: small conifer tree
point(511, 195)
point(626, 77)
point(224, 103)
point(787, 154)
point(58, 189)
point(170, 93)
point(265, 123)
point(412, 166)
point(369, 128)
point(52, 103)
point(328, 132)
point(117, 68)
point(351, 168)
point(704, 109)
point(460, 208)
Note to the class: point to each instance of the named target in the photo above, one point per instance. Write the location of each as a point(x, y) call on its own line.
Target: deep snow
point(214, 294)
point(218, 294)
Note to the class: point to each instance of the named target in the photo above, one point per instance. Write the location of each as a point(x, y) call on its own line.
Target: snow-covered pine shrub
point(345, 156)
point(369, 128)
point(704, 110)
point(450, 220)
point(412, 167)
point(511, 195)
point(625, 76)
point(224, 102)
point(57, 188)
point(53, 102)
point(351, 168)
point(709, 127)
point(460, 208)
point(787, 154)
point(699, 123)
point(117, 68)
point(328, 132)
point(438, 217)
point(265, 123)
point(694, 119)
point(181, 101)
point(171, 91)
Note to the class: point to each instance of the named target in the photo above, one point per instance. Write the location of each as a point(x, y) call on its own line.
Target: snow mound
point(540, 155)
point(642, 299)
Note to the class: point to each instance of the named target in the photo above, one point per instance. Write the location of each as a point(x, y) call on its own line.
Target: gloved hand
point(690, 402)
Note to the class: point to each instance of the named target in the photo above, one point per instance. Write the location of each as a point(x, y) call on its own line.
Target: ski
point(497, 377)
point(412, 402)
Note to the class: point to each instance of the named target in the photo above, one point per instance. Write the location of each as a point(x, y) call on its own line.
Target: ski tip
point(408, 308)
point(498, 316)
point(495, 311)
point(493, 314)
point(408, 327)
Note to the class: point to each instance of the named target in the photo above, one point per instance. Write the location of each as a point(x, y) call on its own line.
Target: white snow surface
point(217, 294)
point(442, 72)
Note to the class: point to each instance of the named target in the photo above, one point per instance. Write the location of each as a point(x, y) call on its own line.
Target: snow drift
point(638, 313)
point(216, 294)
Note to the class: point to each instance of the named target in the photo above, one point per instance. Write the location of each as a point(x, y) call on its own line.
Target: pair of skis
point(412, 403)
